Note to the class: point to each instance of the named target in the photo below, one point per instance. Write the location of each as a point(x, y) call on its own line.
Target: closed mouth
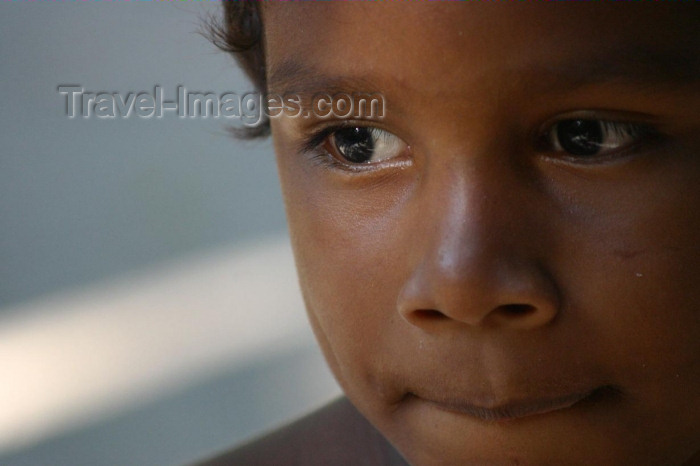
point(520, 408)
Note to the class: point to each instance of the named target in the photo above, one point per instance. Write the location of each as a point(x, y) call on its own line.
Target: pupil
point(355, 144)
point(580, 137)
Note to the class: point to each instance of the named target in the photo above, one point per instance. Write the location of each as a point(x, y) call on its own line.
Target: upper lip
point(513, 409)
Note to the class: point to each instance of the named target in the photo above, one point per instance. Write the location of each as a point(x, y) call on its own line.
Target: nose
point(478, 254)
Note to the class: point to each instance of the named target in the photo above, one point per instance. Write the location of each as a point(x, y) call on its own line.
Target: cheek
point(629, 271)
point(348, 249)
point(643, 320)
point(643, 316)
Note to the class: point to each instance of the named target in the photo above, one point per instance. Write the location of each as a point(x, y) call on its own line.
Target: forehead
point(440, 44)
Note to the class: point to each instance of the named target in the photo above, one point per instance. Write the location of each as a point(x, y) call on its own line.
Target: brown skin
point(480, 273)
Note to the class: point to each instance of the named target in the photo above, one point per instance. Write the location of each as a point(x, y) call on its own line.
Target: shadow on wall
point(142, 345)
point(197, 422)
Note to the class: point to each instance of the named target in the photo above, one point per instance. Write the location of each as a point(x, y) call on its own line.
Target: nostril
point(517, 310)
point(429, 314)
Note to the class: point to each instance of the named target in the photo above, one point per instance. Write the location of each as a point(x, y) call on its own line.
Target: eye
point(364, 145)
point(590, 138)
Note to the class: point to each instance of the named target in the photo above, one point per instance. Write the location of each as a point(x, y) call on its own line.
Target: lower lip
point(516, 411)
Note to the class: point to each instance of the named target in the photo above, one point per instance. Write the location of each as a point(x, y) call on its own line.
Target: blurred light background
point(149, 310)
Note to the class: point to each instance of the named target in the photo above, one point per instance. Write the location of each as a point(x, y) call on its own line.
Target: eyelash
point(642, 133)
point(313, 145)
point(313, 141)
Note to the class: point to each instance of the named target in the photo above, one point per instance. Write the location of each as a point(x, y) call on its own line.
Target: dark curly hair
point(239, 33)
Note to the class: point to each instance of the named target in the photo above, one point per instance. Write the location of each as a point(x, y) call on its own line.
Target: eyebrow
point(636, 65)
point(293, 75)
point(641, 67)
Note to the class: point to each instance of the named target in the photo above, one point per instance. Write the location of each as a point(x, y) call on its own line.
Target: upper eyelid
point(606, 123)
point(318, 135)
point(641, 128)
point(599, 114)
point(314, 137)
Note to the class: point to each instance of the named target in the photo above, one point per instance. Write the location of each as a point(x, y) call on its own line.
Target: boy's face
point(507, 270)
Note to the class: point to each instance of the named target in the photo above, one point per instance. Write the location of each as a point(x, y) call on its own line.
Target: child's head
point(505, 267)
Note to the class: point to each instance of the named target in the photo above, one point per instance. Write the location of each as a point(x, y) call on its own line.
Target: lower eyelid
point(322, 158)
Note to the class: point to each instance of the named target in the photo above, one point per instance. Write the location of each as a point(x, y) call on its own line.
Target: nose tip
point(515, 316)
point(524, 299)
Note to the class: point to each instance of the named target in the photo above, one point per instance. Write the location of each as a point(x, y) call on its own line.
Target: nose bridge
point(474, 216)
